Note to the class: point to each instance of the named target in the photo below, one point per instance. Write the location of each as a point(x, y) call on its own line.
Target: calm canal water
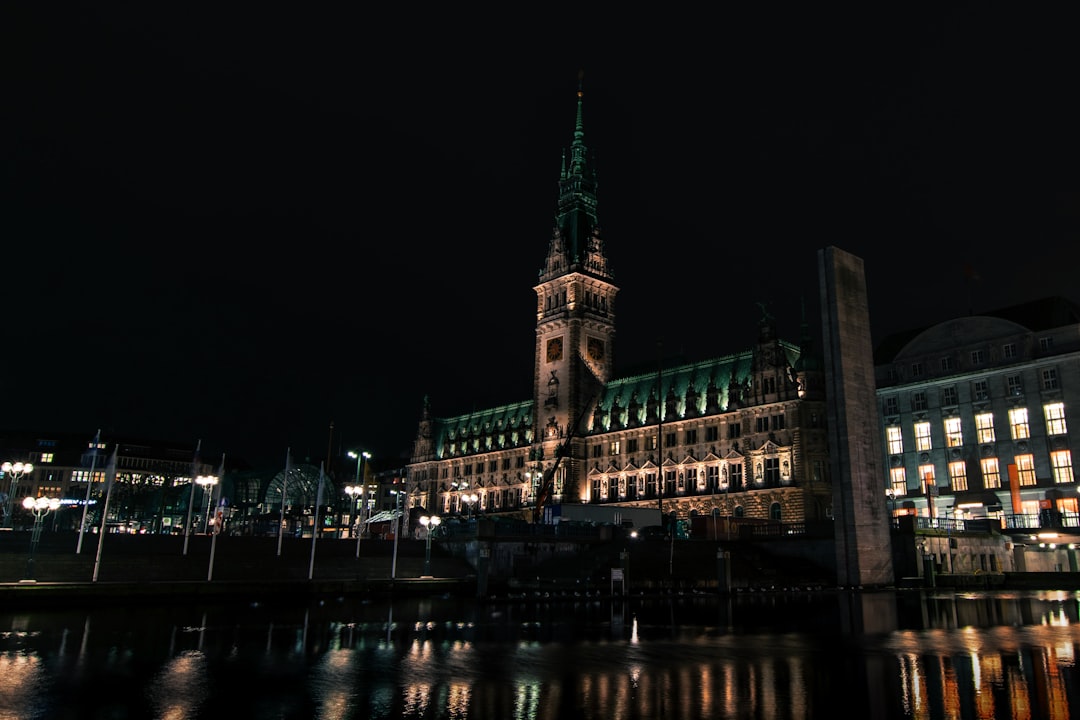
point(813, 655)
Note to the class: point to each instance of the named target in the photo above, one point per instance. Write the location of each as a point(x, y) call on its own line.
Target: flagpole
point(284, 485)
point(110, 477)
point(217, 525)
point(315, 527)
point(191, 500)
point(89, 486)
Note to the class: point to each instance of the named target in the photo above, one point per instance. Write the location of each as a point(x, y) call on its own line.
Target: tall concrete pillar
point(860, 515)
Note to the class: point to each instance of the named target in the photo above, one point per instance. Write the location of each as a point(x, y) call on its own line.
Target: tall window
point(691, 437)
point(954, 437)
point(736, 475)
point(922, 436)
point(1018, 422)
point(613, 448)
point(984, 427)
point(958, 475)
point(926, 477)
point(894, 439)
point(991, 472)
point(980, 390)
point(892, 406)
point(978, 357)
point(650, 484)
point(1008, 351)
point(918, 401)
point(712, 476)
point(1061, 464)
point(772, 471)
point(898, 481)
point(1049, 379)
point(916, 370)
point(1055, 418)
point(669, 483)
point(1014, 385)
point(948, 395)
point(1025, 469)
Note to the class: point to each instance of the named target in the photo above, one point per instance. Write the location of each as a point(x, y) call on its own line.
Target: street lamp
point(207, 481)
point(16, 470)
point(430, 523)
point(356, 490)
point(361, 485)
point(470, 500)
point(40, 507)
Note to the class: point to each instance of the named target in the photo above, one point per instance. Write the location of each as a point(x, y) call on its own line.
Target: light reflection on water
point(881, 655)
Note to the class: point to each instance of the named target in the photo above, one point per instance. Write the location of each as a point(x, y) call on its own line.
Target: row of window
point(981, 357)
point(980, 390)
point(1019, 429)
point(990, 471)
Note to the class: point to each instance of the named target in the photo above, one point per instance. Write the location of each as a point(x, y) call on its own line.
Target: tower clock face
point(554, 349)
point(595, 349)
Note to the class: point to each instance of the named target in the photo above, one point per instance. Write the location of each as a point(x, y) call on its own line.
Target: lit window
point(1018, 422)
point(991, 472)
point(1061, 463)
point(894, 439)
point(922, 436)
point(614, 448)
point(984, 427)
point(926, 477)
point(954, 437)
point(898, 481)
point(1025, 469)
point(958, 475)
point(46, 457)
point(1055, 418)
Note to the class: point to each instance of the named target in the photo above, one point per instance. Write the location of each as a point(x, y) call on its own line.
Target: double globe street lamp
point(207, 482)
point(430, 522)
point(15, 470)
point(40, 507)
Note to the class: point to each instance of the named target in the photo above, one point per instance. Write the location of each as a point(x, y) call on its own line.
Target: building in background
point(742, 434)
point(975, 415)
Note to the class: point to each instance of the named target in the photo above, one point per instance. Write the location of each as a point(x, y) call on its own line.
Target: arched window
point(774, 511)
point(738, 511)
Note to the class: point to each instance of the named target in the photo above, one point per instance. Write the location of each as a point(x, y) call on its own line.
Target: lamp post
point(470, 500)
point(397, 530)
point(207, 482)
point(40, 507)
point(355, 490)
point(890, 495)
point(361, 485)
point(15, 470)
point(429, 522)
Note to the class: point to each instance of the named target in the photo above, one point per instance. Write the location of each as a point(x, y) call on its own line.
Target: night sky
point(241, 227)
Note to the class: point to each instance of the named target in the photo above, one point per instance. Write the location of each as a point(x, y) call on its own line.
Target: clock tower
point(575, 320)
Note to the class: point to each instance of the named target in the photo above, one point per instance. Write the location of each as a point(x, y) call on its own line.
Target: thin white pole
point(191, 499)
point(284, 485)
point(315, 527)
point(89, 486)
